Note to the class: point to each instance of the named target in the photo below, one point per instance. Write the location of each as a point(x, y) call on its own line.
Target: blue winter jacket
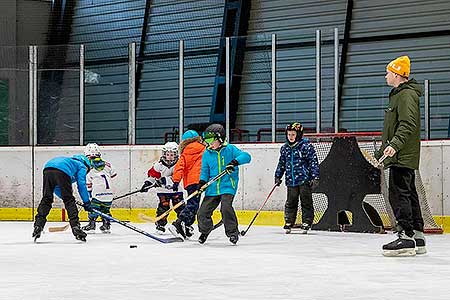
point(75, 169)
point(215, 161)
point(298, 162)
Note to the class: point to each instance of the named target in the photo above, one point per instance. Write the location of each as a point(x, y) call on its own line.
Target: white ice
point(266, 264)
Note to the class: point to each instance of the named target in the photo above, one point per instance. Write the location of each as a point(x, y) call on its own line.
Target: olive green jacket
point(401, 128)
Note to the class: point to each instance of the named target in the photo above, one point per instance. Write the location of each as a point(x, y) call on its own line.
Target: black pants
point(291, 206)
point(164, 205)
point(209, 204)
point(52, 178)
point(404, 199)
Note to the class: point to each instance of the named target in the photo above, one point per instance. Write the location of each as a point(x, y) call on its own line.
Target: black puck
point(133, 246)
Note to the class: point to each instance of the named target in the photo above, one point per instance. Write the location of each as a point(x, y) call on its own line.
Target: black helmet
point(298, 128)
point(214, 131)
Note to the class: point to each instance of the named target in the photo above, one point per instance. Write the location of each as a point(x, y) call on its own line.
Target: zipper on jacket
point(219, 165)
point(292, 166)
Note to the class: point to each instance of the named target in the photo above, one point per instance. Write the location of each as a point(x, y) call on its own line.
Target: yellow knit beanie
point(401, 66)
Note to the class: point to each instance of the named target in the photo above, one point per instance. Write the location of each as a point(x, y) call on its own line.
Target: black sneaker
point(419, 238)
point(105, 228)
point(37, 232)
point(234, 239)
point(79, 234)
point(404, 245)
point(177, 229)
point(202, 238)
point(90, 226)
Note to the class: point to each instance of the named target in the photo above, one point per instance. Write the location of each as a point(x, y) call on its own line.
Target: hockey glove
point(87, 206)
point(231, 166)
point(175, 186)
point(314, 183)
point(201, 183)
point(278, 181)
point(146, 186)
point(162, 181)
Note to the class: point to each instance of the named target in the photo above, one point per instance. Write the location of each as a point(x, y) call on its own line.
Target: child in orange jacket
point(188, 169)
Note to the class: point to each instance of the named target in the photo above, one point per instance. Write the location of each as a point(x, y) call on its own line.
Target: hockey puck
point(133, 246)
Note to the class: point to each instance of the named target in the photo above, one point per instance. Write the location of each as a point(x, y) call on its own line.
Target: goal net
point(375, 205)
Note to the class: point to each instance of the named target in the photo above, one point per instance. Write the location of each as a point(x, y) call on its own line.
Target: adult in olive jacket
point(401, 145)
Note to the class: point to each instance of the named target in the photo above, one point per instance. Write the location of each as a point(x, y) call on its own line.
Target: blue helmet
point(190, 134)
point(86, 161)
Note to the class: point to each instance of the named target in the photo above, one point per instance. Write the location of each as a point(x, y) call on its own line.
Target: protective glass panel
point(58, 95)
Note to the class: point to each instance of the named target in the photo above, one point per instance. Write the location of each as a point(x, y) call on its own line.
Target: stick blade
point(58, 228)
point(146, 218)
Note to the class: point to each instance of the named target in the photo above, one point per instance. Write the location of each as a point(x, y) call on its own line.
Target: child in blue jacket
point(298, 162)
point(59, 174)
point(219, 156)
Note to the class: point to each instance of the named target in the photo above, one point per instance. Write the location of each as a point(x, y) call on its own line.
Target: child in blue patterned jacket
point(298, 162)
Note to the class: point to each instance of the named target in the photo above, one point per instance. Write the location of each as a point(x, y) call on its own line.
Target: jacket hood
point(411, 84)
point(192, 146)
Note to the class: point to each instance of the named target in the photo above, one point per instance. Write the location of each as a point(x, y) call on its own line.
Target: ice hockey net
point(369, 142)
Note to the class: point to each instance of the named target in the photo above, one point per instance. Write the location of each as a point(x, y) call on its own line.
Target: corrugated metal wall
point(106, 27)
point(365, 92)
point(295, 24)
point(199, 24)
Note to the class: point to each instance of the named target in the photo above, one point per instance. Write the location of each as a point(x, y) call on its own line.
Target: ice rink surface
point(266, 264)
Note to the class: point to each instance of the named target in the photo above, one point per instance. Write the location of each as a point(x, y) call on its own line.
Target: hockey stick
point(126, 195)
point(243, 232)
point(201, 190)
point(148, 219)
point(372, 160)
point(138, 230)
point(65, 227)
point(58, 228)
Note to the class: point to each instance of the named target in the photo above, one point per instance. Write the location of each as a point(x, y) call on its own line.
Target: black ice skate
point(304, 227)
point(189, 231)
point(160, 229)
point(105, 228)
point(79, 234)
point(37, 232)
point(287, 228)
point(177, 229)
point(402, 246)
point(202, 238)
point(234, 239)
point(419, 238)
point(90, 226)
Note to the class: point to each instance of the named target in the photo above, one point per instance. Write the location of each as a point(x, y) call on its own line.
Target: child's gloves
point(87, 206)
point(314, 183)
point(231, 166)
point(175, 186)
point(146, 186)
point(201, 183)
point(278, 181)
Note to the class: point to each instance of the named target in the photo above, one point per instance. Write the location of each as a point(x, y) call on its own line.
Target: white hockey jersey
point(158, 171)
point(99, 183)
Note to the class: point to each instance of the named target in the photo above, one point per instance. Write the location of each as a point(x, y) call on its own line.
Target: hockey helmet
point(98, 163)
point(85, 160)
point(170, 148)
point(92, 150)
point(298, 128)
point(214, 132)
point(190, 134)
